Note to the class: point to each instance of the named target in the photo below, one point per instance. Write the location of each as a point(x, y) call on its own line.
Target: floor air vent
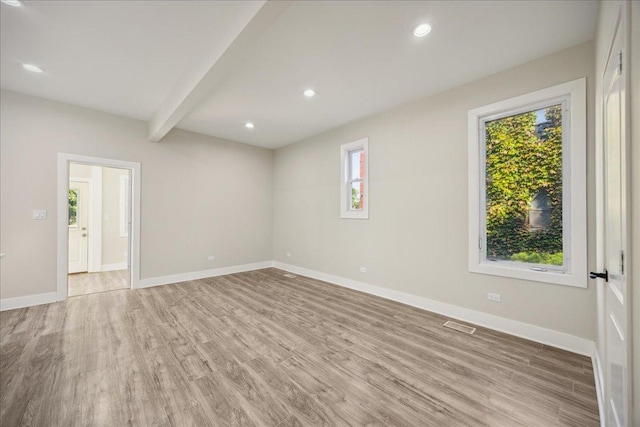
point(459, 327)
point(289, 275)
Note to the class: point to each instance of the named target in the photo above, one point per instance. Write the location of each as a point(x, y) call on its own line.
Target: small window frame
point(572, 96)
point(345, 180)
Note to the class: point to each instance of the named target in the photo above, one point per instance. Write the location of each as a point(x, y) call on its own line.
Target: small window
point(73, 208)
point(354, 180)
point(527, 191)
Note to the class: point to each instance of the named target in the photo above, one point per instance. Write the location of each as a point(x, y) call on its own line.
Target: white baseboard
point(27, 301)
point(524, 330)
point(195, 275)
point(113, 267)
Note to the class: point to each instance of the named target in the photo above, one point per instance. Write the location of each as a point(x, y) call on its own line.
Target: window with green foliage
point(73, 208)
point(523, 187)
point(527, 186)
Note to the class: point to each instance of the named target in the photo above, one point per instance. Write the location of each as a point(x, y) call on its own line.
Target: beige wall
point(200, 195)
point(114, 246)
point(416, 238)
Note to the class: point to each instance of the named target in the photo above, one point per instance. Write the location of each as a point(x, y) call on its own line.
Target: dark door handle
point(604, 275)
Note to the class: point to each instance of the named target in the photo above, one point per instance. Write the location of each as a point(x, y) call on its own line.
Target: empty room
point(304, 213)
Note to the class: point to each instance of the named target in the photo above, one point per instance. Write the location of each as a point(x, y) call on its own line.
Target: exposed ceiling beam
point(198, 83)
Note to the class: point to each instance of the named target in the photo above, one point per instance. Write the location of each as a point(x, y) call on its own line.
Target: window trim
point(345, 182)
point(574, 184)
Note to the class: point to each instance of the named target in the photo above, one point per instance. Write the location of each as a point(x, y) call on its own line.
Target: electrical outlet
point(40, 214)
point(363, 269)
point(289, 254)
point(494, 297)
point(211, 258)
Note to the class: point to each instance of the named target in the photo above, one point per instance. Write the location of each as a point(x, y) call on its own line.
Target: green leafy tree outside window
point(523, 157)
point(73, 208)
point(355, 200)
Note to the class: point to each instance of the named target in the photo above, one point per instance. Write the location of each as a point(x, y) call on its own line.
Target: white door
point(78, 226)
point(616, 293)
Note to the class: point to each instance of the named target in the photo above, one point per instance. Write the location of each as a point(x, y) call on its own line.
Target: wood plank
point(260, 349)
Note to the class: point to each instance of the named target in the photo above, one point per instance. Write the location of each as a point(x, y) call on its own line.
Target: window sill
point(354, 215)
point(523, 273)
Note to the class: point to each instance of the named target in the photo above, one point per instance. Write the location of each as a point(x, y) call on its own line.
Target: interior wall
point(200, 196)
point(415, 240)
point(114, 245)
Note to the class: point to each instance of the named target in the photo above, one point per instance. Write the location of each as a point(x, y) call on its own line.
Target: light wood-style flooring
point(261, 349)
point(90, 283)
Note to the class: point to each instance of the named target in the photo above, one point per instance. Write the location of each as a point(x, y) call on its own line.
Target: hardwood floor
point(90, 283)
point(260, 349)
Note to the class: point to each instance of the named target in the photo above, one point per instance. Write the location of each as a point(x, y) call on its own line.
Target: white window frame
point(345, 186)
point(574, 183)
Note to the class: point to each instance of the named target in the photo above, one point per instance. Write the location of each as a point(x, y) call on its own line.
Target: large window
point(527, 186)
point(354, 192)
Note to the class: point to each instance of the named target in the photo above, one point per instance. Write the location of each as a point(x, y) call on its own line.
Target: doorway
point(99, 228)
point(98, 225)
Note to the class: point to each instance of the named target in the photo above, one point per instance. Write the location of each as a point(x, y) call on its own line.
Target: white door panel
point(79, 228)
point(616, 340)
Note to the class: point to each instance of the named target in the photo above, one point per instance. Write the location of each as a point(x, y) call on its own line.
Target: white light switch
point(40, 214)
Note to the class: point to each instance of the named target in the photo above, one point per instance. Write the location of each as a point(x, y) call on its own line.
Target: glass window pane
point(357, 190)
point(524, 187)
point(73, 208)
point(356, 164)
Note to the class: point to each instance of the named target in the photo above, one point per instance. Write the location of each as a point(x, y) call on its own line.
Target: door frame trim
point(64, 160)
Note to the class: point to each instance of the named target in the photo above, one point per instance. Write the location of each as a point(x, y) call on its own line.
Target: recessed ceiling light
point(421, 30)
point(309, 93)
point(32, 68)
point(249, 125)
point(14, 3)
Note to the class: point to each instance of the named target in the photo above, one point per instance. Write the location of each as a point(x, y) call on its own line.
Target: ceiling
point(209, 67)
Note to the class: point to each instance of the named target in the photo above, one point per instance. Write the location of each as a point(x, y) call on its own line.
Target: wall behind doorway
point(114, 245)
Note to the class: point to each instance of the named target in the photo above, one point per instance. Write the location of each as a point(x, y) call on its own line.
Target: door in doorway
point(78, 226)
point(616, 293)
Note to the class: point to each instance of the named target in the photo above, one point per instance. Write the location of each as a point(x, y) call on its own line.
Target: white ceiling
point(121, 57)
point(129, 58)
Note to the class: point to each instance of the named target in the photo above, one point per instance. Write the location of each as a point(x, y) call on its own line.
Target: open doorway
point(128, 196)
point(99, 228)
